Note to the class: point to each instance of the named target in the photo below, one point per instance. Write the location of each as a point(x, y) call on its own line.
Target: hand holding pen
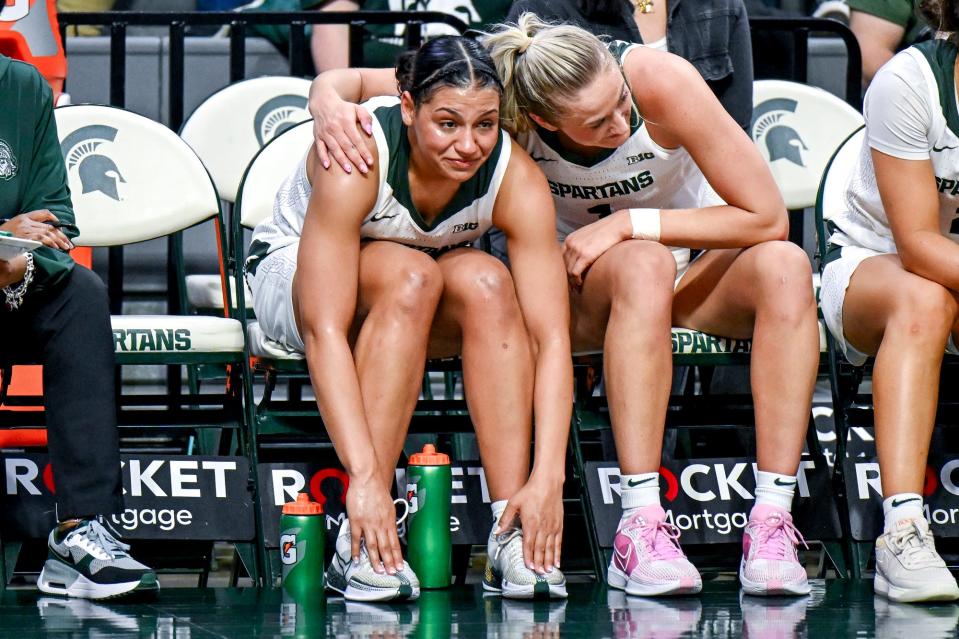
point(42, 226)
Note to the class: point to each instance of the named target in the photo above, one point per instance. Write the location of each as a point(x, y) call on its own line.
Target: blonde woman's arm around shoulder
point(334, 104)
point(524, 212)
point(325, 294)
point(680, 110)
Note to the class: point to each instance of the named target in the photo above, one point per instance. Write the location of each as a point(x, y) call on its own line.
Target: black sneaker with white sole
point(88, 561)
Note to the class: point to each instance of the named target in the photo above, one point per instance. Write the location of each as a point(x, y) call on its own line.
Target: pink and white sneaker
point(770, 564)
point(647, 559)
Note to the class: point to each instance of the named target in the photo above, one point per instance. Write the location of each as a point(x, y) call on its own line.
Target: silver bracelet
point(15, 294)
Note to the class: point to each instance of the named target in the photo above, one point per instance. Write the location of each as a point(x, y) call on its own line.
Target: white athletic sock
point(638, 491)
point(776, 490)
point(901, 506)
point(497, 507)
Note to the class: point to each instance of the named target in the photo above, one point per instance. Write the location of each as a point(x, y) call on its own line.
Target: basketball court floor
point(836, 608)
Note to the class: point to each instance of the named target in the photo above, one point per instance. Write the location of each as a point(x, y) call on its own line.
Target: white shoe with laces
point(357, 581)
point(908, 568)
point(506, 572)
point(88, 561)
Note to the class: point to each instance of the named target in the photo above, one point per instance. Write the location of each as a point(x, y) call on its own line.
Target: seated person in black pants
point(56, 314)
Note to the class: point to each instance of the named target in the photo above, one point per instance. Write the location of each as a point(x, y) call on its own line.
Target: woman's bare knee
point(924, 309)
point(416, 286)
point(643, 275)
point(783, 277)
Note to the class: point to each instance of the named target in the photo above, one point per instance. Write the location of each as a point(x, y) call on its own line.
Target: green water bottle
point(302, 536)
point(429, 481)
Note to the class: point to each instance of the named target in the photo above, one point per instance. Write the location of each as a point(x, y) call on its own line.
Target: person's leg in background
point(68, 331)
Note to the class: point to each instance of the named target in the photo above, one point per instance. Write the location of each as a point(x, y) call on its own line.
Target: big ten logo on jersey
point(466, 226)
point(636, 159)
point(13, 10)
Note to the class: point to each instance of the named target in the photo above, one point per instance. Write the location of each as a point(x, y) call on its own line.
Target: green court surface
point(834, 609)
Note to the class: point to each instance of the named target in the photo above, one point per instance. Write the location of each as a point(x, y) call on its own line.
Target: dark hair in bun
point(447, 61)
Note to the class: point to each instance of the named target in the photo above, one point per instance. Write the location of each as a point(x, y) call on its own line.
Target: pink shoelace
point(661, 537)
point(777, 538)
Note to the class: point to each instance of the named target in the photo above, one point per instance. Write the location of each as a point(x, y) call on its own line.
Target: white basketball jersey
point(863, 221)
point(638, 174)
point(394, 216)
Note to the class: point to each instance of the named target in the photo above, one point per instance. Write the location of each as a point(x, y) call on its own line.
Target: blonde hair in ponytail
point(542, 65)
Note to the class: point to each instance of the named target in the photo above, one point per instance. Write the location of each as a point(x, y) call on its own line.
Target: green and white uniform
point(637, 174)
point(272, 261)
point(911, 114)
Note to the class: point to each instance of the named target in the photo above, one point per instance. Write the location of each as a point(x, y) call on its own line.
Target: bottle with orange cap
point(428, 486)
point(302, 538)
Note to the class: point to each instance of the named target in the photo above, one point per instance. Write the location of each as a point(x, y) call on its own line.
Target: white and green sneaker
point(357, 581)
point(506, 572)
point(89, 562)
point(908, 568)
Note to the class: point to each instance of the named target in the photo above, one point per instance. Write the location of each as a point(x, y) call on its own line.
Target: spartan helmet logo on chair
point(781, 140)
point(97, 171)
point(277, 115)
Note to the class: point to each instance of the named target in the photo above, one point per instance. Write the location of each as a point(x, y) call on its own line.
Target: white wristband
point(646, 224)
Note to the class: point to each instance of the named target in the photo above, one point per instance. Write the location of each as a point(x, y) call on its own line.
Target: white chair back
point(273, 164)
point(797, 129)
point(131, 179)
point(230, 126)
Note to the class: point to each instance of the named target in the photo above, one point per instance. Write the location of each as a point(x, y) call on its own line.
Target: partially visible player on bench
point(57, 314)
point(633, 143)
point(890, 287)
point(371, 274)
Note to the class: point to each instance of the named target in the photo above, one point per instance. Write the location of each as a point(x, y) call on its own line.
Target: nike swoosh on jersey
point(940, 149)
point(538, 159)
point(632, 483)
point(378, 217)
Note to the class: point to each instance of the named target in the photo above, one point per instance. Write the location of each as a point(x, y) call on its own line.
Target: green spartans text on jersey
point(637, 174)
point(394, 216)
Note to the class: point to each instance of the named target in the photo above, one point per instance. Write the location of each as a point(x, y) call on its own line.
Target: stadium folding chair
point(134, 180)
point(226, 130)
point(852, 410)
point(796, 128)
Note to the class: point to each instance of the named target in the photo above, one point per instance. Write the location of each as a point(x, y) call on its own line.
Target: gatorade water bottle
point(429, 481)
point(302, 537)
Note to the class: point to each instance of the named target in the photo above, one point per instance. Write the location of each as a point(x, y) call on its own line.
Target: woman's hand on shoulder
point(337, 128)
